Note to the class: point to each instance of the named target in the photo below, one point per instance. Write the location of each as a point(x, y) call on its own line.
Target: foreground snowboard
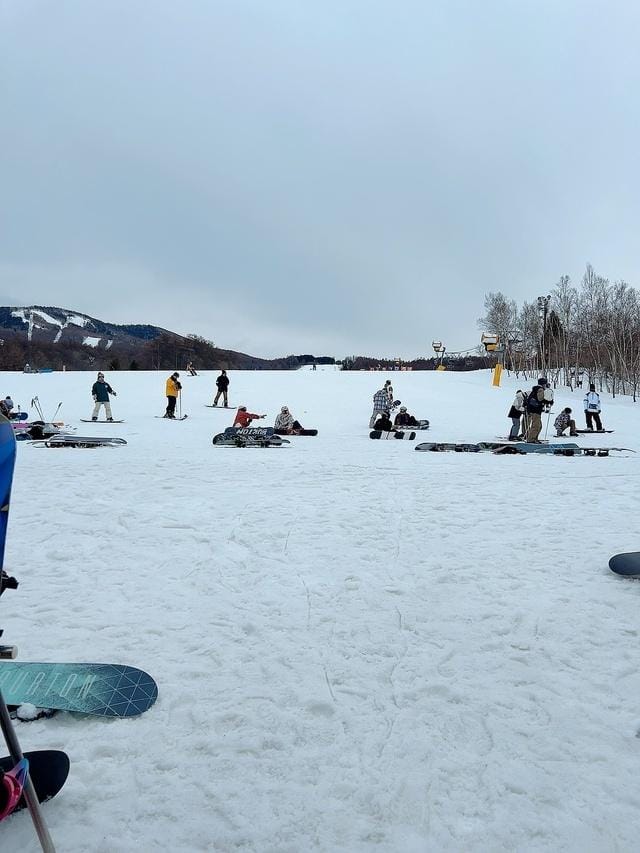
point(7, 462)
point(627, 565)
point(106, 690)
point(80, 441)
point(48, 769)
point(378, 433)
point(297, 432)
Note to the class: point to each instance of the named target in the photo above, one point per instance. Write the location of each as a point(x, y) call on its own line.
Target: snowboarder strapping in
point(285, 422)
point(383, 423)
point(100, 392)
point(592, 408)
point(404, 419)
point(172, 389)
point(563, 421)
point(222, 384)
point(243, 417)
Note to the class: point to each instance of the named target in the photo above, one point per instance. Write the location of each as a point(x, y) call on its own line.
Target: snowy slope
point(358, 647)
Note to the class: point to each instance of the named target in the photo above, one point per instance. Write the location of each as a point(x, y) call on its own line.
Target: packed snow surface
point(358, 647)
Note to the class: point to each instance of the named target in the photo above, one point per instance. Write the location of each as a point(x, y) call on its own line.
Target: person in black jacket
point(404, 419)
point(222, 384)
point(539, 401)
point(384, 423)
point(100, 392)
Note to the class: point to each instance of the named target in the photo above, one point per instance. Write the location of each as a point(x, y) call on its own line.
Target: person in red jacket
point(244, 418)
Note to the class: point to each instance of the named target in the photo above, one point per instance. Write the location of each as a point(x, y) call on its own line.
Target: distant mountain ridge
point(56, 337)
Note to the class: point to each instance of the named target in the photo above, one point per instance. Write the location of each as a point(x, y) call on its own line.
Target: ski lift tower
point(439, 349)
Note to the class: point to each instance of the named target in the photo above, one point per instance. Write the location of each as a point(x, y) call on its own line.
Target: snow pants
point(591, 417)
point(107, 410)
point(171, 407)
point(224, 397)
point(535, 426)
point(515, 429)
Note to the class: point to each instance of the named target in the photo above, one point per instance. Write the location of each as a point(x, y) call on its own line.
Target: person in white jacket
point(515, 413)
point(592, 409)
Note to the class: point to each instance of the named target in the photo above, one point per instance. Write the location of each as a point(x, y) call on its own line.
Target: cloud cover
point(333, 178)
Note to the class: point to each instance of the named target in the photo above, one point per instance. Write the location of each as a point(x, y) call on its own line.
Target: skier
point(285, 422)
point(383, 423)
point(404, 419)
point(563, 421)
point(592, 409)
point(516, 411)
point(243, 418)
point(191, 369)
point(222, 384)
point(100, 392)
point(172, 389)
point(6, 406)
point(539, 401)
point(382, 401)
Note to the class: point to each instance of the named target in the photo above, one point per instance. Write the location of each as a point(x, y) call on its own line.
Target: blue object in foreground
point(102, 689)
point(7, 462)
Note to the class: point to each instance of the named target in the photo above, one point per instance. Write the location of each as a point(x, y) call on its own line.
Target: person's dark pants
point(224, 397)
point(515, 428)
point(171, 407)
point(593, 416)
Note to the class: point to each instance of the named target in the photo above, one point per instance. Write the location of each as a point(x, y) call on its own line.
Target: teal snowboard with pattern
point(102, 689)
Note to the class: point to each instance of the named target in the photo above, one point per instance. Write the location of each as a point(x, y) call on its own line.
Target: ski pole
point(547, 427)
point(56, 412)
point(29, 792)
point(179, 404)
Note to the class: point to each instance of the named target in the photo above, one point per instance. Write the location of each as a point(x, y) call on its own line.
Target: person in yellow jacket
point(172, 390)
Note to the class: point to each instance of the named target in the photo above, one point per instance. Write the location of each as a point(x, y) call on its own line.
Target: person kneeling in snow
point(243, 417)
point(404, 419)
point(285, 422)
point(384, 423)
point(563, 421)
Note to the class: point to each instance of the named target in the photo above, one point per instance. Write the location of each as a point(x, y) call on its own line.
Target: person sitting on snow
point(384, 423)
point(404, 419)
point(243, 417)
point(285, 422)
point(563, 421)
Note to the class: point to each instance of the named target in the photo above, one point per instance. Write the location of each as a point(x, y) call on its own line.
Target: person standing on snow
point(222, 384)
point(592, 408)
point(243, 418)
point(539, 401)
point(382, 402)
point(100, 391)
point(172, 389)
point(516, 411)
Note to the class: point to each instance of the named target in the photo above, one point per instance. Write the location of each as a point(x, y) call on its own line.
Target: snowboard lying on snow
point(520, 448)
point(627, 565)
point(48, 769)
point(102, 689)
point(593, 431)
point(80, 441)
point(296, 432)
point(248, 437)
point(378, 433)
point(96, 421)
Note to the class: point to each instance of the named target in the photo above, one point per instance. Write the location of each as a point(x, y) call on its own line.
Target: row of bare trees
point(576, 335)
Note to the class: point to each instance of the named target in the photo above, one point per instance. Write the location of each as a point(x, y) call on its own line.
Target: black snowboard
point(91, 421)
point(378, 433)
point(298, 432)
point(627, 565)
point(593, 431)
point(48, 769)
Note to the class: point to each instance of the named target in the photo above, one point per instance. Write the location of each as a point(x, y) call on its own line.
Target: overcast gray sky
point(292, 176)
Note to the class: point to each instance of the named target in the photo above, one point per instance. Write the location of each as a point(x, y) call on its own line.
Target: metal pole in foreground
point(29, 793)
